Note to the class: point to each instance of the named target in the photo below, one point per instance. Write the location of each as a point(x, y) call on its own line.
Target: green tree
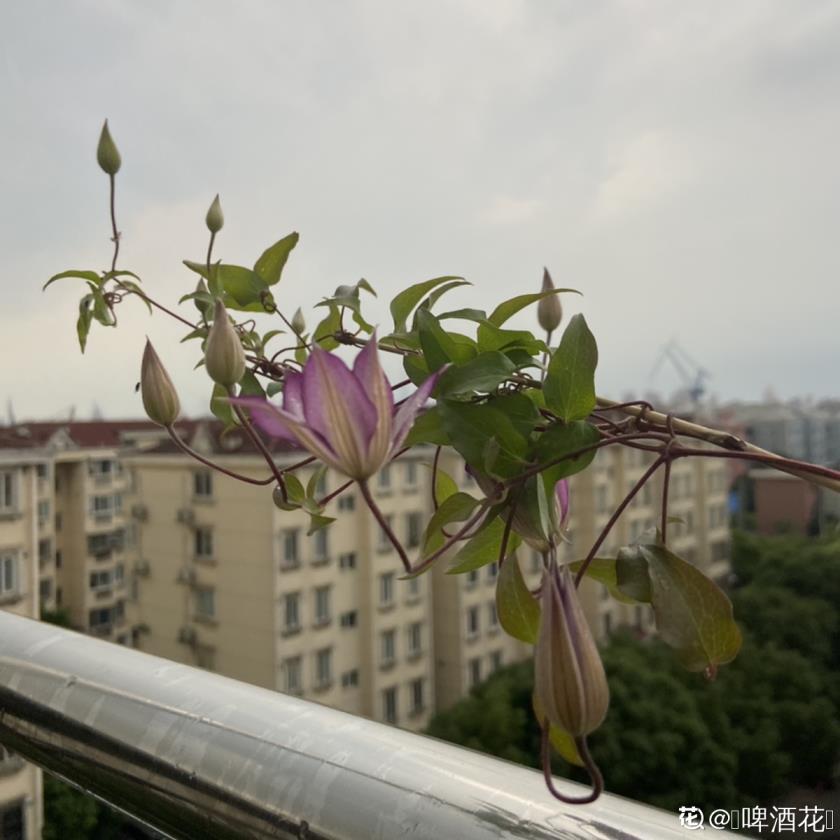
point(67, 811)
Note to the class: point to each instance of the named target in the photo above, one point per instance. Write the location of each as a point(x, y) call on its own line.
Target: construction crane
point(693, 375)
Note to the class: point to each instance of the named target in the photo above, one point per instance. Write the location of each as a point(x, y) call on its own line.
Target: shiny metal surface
point(197, 755)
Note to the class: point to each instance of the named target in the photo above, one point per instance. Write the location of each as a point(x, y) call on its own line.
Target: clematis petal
point(561, 493)
point(404, 418)
point(368, 370)
point(293, 393)
point(336, 406)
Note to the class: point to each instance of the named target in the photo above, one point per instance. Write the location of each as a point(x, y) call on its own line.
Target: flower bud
point(298, 322)
point(569, 678)
point(549, 310)
point(107, 155)
point(159, 396)
point(224, 357)
point(215, 219)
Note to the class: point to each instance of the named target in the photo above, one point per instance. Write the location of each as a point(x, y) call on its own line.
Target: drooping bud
point(215, 219)
point(569, 677)
point(224, 356)
point(107, 155)
point(298, 322)
point(549, 309)
point(160, 399)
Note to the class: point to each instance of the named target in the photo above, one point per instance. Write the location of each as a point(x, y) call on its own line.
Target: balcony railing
point(194, 754)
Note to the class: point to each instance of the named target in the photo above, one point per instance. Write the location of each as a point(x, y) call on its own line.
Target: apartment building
point(226, 580)
point(23, 490)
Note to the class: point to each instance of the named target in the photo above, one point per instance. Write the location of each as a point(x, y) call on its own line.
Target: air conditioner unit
point(186, 635)
point(142, 568)
point(186, 575)
point(186, 516)
point(140, 512)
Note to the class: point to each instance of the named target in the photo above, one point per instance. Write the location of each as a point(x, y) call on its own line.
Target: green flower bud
point(159, 396)
point(215, 219)
point(298, 322)
point(107, 155)
point(569, 679)
point(549, 309)
point(224, 356)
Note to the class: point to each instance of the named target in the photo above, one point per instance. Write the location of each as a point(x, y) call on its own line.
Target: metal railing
point(197, 755)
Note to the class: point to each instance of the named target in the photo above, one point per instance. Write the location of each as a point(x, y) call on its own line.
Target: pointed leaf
point(403, 304)
point(270, 265)
point(569, 385)
point(603, 569)
point(518, 610)
point(510, 307)
point(562, 742)
point(427, 428)
point(89, 276)
point(561, 439)
point(483, 548)
point(482, 374)
point(84, 319)
point(455, 508)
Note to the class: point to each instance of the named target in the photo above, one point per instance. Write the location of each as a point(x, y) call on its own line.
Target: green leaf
point(439, 346)
point(294, 488)
point(603, 569)
point(562, 742)
point(270, 265)
point(558, 440)
point(273, 388)
point(416, 369)
point(510, 307)
point(201, 333)
point(243, 285)
point(427, 428)
point(133, 287)
point(569, 385)
point(403, 304)
point(445, 486)
point(481, 374)
point(455, 508)
point(693, 615)
point(323, 333)
point(477, 315)
point(250, 386)
point(100, 309)
point(89, 276)
point(518, 610)
point(440, 291)
point(484, 548)
point(84, 319)
point(317, 521)
point(221, 408)
point(495, 338)
point(471, 426)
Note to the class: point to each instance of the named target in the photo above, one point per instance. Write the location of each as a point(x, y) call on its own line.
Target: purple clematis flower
point(344, 417)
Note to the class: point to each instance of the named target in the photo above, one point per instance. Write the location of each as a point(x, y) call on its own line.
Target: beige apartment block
point(22, 491)
point(226, 580)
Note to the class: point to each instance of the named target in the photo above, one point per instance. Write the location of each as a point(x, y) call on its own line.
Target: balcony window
point(293, 675)
point(322, 605)
point(43, 512)
point(472, 622)
point(387, 647)
point(119, 574)
point(321, 487)
point(203, 484)
point(383, 480)
point(102, 507)
point(347, 560)
point(415, 639)
point(414, 529)
point(9, 582)
point(291, 612)
point(321, 546)
point(492, 571)
point(100, 620)
point(389, 705)
point(492, 616)
point(13, 821)
point(414, 587)
point(100, 468)
point(8, 492)
point(411, 474)
point(471, 579)
point(349, 619)
point(203, 542)
point(386, 589)
point(42, 471)
point(418, 700)
point(346, 501)
point(100, 580)
point(291, 556)
point(384, 542)
point(44, 552)
point(323, 668)
point(205, 603)
point(45, 589)
point(350, 679)
point(475, 672)
point(496, 659)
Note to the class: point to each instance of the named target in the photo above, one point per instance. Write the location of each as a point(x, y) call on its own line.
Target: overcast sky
point(679, 163)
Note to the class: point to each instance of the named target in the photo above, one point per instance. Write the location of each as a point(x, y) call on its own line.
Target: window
point(42, 471)
point(321, 487)
point(291, 612)
point(414, 529)
point(384, 543)
point(536, 561)
point(602, 499)
point(475, 672)
point(99, 618)
point(350, 679)
point(205, 603)
point(347, 560)
point(321, 546)
point(203, 484)
point(291, 557)
point(293, 675)
point(119, 573)
point(496, 658)
point(45, 589)
point(415, 639)
point(388, 647)
point(44, 552)
point(323, 668)
point(8, 492)
point(58, 558)
point(472, 622)
point(389, 705)
point(322, 605)
point(43, 511)
point(100, 468)
point(471, 579)
point(417, 696)
point(492, 571)
point(383, 479)
point(346, 501)
point(386, 589)
point(349, 619)
point(492, 616)
point(99, 544)
point(12, 822)
point(102, 506)
point(8, 574)
point(203, 539)
point(414, 585)
point(100, 580)
point(411, 473)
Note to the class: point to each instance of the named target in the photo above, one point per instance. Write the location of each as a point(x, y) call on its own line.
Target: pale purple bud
point(569, 678)
point(224, 357)
point(549, 309)
point(159, 396)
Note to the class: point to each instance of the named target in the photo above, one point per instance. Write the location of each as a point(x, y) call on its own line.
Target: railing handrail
point(197, 755)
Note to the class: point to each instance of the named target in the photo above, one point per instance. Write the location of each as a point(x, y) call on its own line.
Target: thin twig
point(383, 524)
point(589, 765)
